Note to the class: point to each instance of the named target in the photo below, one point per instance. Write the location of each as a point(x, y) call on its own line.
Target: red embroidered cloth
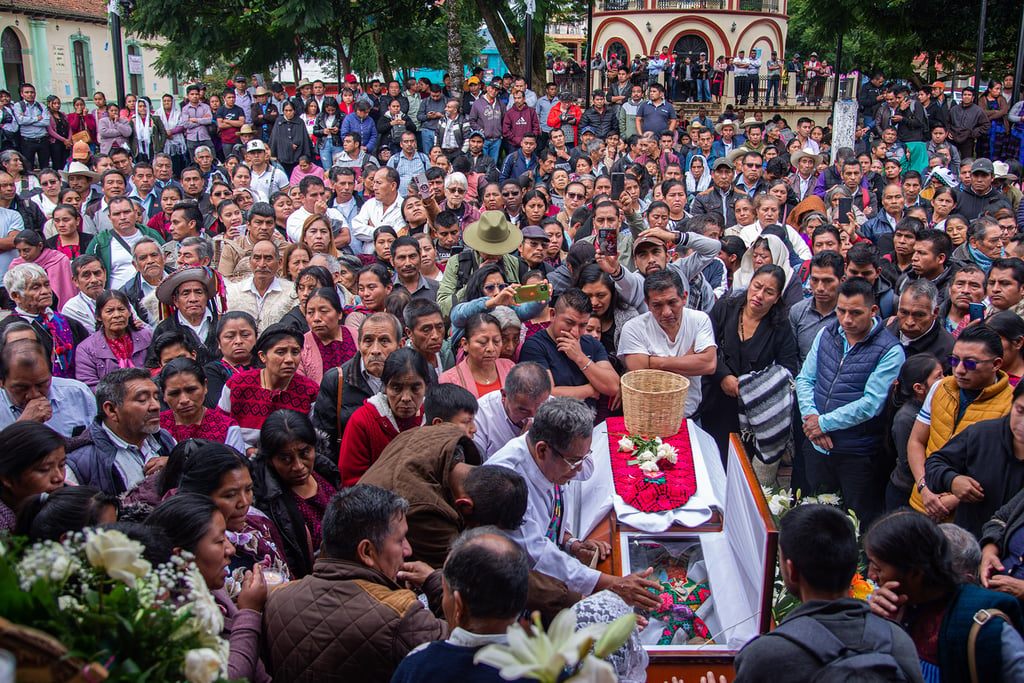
point(670, 490)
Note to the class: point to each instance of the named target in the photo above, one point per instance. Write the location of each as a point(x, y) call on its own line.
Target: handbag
point(81, 136)
point(766, 411)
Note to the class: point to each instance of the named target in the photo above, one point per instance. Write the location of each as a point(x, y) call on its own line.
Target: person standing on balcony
point(740, 65)
point(753, 75)
point(655, 65)
point(774, 67)
point(703, 68)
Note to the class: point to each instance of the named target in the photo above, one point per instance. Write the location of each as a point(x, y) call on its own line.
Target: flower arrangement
point(648, 453)
point(561, 653)
point(98, 595)
point(780, 501)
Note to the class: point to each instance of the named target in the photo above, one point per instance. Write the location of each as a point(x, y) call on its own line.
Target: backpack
point(839, 662)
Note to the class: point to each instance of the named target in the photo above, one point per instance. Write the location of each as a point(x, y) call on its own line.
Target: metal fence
point(692, 4)
point(620, 5)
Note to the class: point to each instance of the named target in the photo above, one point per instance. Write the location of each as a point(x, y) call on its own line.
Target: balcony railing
point(766, 6)
point(621, 5)
point(691, 4)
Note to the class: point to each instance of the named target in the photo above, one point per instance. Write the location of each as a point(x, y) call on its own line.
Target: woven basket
point(43, 659)
point(653, 402)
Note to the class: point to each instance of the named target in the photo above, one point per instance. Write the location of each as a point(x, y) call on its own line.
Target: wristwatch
point(920, 485)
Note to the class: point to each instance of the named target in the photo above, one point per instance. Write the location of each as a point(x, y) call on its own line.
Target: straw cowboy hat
point(800, 154)
point(78, 168)
point(493, 234)
point(723, 124)
point(201, 274)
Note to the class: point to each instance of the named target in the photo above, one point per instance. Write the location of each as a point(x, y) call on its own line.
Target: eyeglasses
point(969, 364)
point(575, 195)
point(575, 466)
point(495, 288)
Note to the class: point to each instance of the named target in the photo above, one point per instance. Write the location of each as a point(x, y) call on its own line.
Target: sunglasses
point(495, 288)
point(575, 195)
point(969, 365)
point(509, 194)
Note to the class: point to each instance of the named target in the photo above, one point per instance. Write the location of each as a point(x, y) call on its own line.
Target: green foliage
point(554, 47)
point(892, 35)
point(365, 35)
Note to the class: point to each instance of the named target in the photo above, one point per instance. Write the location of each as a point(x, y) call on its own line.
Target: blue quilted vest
point(956, 625)
point(841, 380)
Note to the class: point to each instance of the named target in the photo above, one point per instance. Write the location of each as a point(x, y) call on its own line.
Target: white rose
point(775, 505)
point(649, 466)
point(646, 456)
point(114, 552)
point(626, 445)
point(202, 665)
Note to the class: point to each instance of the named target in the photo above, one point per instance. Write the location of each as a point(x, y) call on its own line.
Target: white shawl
point(175, 143)
point(144, 128)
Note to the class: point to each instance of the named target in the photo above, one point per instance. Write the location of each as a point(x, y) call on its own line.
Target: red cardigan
point(367, 434)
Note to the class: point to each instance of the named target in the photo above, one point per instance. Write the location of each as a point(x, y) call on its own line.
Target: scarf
point(984, 262)
point(694, 185)
point(122, 349)
point(766, 411)
point(175, 143)
point(143, 128)
point(63, 342)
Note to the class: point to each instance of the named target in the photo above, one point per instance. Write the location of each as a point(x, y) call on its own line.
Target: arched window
point(14, 66)
point(617, 47)
point(691, 45)
point(135, 70)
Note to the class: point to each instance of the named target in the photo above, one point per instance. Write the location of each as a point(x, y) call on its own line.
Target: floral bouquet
point(96, 594)
point(560, 654)
point(647, 453)
point(780, 501)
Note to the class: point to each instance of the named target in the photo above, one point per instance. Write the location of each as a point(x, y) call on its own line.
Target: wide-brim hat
point(750, 122)
point(303, 83)
point(735, 154)
point(202, 274)
point(493, 234)
point(727, 122)
point(261, 91)
point(1001, 171)
point(78, 168)
point(800, 154)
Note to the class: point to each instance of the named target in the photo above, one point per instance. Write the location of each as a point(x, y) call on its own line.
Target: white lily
point(541, 655)
point(828, 498)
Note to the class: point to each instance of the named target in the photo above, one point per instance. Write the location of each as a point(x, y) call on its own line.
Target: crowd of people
point(315, 342)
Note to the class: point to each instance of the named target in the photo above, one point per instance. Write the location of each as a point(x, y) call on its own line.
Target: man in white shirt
point(505, 415)
point(115, 247)
point(90, 277)
point(555, 451)
point(31, 392)
point(264, 296)
point(266, 177)
point(314, 201)
point(384, 209)
point(670, 336)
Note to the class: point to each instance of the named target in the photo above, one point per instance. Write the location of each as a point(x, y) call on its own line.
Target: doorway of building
point(14, 66)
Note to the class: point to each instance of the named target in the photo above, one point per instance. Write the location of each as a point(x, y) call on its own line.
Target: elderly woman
point(118, 343)
point(32, 249)
point(832, 198)
point(13, 163)
point(251, 395)
point(483, 370)
point(328, 343)
point(293, 485)
point(184, 388)
point(31, 462)
point(455, 188)
point(765, 250)
point(294, 257)
point(397, 407)
point(29, 286)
